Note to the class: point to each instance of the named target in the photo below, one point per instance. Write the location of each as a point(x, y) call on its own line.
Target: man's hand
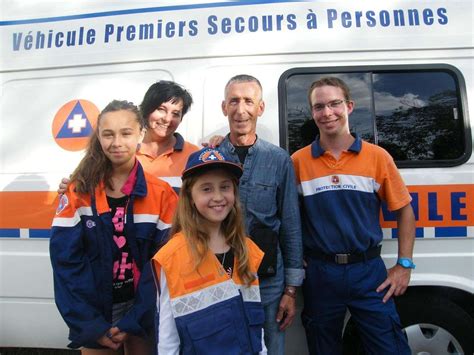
point(398, 278)
point(63, 185)
point(214, 142)
point(286, 311)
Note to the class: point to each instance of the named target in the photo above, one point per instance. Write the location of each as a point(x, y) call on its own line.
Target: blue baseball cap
point(207, 158)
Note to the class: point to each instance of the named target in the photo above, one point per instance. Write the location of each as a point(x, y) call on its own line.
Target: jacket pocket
point(214, 333)
point(263, 198)
point(255, 318)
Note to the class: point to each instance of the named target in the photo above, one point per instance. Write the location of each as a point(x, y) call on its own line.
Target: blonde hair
point(190, 222)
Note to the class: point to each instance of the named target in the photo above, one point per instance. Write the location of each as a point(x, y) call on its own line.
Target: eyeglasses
point(333, 105)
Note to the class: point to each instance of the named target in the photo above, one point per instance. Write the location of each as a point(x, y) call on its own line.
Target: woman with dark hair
point(164, 152)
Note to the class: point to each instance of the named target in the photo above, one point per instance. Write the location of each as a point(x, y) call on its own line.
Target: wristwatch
point(406, 263)
point(290, 291)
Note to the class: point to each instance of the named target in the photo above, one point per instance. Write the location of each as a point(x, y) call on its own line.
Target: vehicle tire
point(436, 325)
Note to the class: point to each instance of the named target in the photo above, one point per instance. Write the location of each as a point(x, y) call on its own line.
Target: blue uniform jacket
point(81, 249)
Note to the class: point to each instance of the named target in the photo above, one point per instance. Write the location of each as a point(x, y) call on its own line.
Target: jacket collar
point(179, 145)
point(135, 186)
point(226, 143)
point(317, 150)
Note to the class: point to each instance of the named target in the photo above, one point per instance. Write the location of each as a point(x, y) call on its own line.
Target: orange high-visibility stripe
point(27, 209)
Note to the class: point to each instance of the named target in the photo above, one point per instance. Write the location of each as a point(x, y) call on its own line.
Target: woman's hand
point(62, 188)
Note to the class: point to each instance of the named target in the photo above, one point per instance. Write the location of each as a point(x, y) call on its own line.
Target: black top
point(123, 289)
point(227, 261)
point(242, 152)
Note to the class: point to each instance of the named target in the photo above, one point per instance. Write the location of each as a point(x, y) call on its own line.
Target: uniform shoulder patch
point(63, 202)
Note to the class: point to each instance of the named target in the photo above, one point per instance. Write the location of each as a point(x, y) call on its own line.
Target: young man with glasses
point(342, 181)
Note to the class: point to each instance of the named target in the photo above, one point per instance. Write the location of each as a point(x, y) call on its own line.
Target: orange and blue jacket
point(81, 249)
point(203, 310)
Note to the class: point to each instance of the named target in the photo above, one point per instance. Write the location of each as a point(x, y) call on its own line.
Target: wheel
point(435, 325)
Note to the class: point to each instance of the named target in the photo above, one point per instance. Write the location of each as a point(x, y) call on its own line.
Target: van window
point(416, 115)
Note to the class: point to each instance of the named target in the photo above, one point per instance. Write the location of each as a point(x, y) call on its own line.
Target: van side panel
point(62, 62)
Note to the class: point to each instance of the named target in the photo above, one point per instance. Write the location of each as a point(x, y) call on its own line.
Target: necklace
point(223, 258)
point(221, 269)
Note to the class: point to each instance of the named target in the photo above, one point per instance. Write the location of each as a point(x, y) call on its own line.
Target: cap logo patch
point(211, 155)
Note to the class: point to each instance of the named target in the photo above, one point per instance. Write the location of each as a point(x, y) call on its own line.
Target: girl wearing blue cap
point(209, 299)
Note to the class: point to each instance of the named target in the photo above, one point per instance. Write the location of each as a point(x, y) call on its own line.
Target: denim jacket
point(269, 196)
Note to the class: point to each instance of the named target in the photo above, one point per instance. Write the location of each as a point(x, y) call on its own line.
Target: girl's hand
point(107, 341)
point(117, 335)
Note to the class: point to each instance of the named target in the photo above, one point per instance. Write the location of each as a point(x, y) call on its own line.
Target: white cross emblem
point(212, 157)
point(77, 123)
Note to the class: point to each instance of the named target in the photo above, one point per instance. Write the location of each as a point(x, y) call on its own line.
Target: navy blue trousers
point(330, 289)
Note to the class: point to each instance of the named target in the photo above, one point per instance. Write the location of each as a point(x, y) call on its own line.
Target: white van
point(409, 65)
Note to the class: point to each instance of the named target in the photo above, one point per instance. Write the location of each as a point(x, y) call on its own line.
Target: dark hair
point(95, 166)
point(161, 92)
point(242, 78)
point(330, 81)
